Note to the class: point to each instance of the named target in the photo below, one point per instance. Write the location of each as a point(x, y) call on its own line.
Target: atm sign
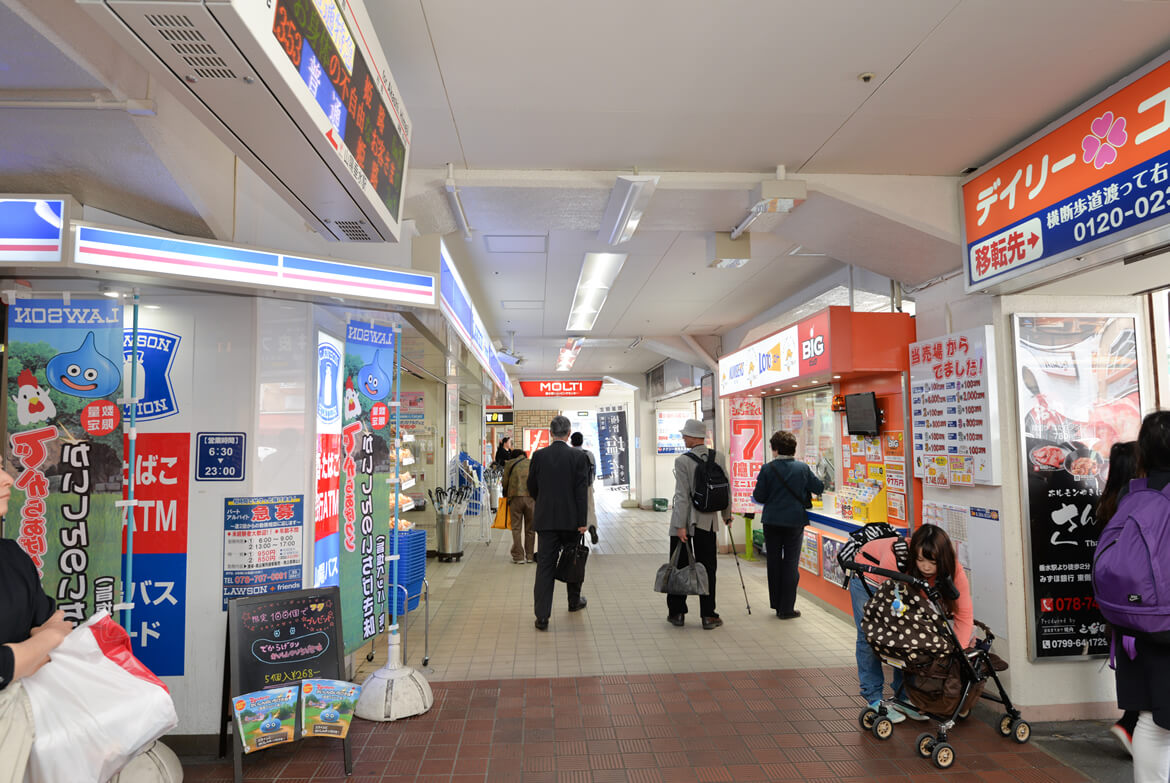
point(560, 388)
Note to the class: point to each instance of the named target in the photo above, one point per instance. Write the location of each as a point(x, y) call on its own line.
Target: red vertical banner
point(162, 478)
point(747, 451)
point(326, 509)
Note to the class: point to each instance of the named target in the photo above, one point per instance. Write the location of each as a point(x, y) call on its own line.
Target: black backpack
point(712, 491)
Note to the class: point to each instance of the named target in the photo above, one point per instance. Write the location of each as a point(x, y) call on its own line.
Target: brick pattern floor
point(781, 725)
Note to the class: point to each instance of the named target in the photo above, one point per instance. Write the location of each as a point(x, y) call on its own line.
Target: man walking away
point(520, 507)
point(557, 479)
point(686, 521)
point(577, 441)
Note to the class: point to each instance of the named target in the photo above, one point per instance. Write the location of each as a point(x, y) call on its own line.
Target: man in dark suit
point(558, 477)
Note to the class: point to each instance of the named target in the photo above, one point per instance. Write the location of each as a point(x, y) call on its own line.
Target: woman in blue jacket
point(785, 487)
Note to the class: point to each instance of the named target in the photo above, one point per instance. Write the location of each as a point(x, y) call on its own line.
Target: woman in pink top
point(932, 557)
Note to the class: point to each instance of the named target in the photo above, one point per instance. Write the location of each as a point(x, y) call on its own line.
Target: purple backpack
point(1131, 570)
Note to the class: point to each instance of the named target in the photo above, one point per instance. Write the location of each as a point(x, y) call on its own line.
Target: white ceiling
point(540, 105)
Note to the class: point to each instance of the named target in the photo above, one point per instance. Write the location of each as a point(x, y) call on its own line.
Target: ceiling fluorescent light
point(626, 205)
point(598, 271)
point(726, 252)
point(457, 204)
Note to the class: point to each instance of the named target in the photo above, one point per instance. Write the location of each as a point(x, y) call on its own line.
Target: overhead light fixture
point(568, 353)
point(598, 271)
point(773, 196)
point(637, 341)
point(626, 205)
point(457, 204)
point(801, 252)
point(727, 252)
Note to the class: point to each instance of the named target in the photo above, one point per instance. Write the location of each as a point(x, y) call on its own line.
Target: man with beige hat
point(687, 522)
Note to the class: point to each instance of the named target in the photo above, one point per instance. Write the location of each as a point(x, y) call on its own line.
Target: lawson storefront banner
point(326, 546)
point(65, 448)
point(456, 305)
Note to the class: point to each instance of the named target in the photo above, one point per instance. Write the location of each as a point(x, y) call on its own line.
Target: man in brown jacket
point(521, 507)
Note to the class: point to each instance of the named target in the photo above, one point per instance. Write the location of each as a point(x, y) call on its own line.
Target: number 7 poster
point(747, 451)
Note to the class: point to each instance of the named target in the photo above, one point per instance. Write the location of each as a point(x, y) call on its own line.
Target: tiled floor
point(614, 694)
point(481, 615)
point(789, 725)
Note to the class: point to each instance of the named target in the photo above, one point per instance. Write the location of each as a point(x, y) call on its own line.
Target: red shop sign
point(560, 388)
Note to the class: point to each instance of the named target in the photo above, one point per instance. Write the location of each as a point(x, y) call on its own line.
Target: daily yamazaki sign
point(1097, 175)
point(560, 388)
point(798, 351)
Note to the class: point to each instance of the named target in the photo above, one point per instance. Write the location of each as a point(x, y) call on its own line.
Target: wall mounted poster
point(952, 404)
point(365, 465)
point(613, 445)
point(669, 426)
point(747, 451)
point(65, 447)
point(1078, 385)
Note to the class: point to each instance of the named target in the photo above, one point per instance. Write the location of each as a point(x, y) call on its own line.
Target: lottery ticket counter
point(797, 380)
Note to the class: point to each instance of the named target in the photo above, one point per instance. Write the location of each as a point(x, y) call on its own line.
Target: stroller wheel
point(866, 718)
point(883, 728)
point(1021, 731)
point(943, 755)
point(925, 744)
point(1005, 725)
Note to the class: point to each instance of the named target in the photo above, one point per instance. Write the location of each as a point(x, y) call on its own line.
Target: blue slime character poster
point(65, 447)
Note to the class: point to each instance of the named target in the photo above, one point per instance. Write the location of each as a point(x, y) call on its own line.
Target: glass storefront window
point(808, 416)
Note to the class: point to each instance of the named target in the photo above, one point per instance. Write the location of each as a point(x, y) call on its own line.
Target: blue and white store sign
point(328, 373)
point(31, 230)
point(156, 355)
point(456, 305)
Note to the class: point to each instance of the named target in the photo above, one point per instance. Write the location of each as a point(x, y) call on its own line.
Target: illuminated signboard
point(799, 350)
point(560, 388)
point(30, 230)
point(498, 418)
point(317, 40)
point(455, 303)
point(1096, 176)
point(224, 263)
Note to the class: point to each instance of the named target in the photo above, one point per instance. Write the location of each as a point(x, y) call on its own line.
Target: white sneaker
point(517, 562)
point(891, 712)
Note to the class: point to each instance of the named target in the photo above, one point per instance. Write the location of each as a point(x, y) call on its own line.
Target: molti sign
point(560, 388)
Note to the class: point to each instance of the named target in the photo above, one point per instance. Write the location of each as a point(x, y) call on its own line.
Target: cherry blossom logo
point(1107, 135)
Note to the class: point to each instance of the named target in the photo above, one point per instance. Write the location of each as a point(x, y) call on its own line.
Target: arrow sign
point(329, 136)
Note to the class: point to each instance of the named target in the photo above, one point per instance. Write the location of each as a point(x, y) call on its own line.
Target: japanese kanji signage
point(1101, 175)
point(369, 371)
point(747, 451)
point(162, 470)
point(262, 545)
point(64, 447)
point(953, 406)
point(326, 541)
point(668, 430)
point(1078, 386)
point(219, 456)
point(613, 448)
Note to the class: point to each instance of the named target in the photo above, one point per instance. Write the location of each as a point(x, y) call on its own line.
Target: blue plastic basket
point(414, 589)
point(412, 555)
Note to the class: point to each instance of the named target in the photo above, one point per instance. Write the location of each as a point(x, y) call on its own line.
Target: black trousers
point(548, 548)
point(783, 551)
point(704, 553)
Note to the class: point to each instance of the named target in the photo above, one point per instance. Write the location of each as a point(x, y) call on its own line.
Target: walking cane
point(740, 570)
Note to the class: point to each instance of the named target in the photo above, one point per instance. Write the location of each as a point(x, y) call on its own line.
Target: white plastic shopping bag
point(95, 706)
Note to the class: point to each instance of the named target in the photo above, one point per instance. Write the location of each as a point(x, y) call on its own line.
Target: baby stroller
point(906, 625)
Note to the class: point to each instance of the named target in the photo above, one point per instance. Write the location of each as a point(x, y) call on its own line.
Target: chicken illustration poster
point(65, 447)
point(367, 451)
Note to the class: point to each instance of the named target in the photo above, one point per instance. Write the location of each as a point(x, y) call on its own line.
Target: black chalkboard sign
point(278, 639)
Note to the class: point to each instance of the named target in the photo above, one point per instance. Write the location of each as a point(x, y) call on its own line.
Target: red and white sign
point(162, 477)
point(535, 439)
point(560, 388)
point(800, 350)
point(747, 451)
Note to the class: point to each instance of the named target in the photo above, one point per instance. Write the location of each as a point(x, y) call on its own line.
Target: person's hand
point(56, 626)
point(582, 529)
point(728, 520)
point(682, 534)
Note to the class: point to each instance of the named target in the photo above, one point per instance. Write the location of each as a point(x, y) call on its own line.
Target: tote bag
point(503, 517)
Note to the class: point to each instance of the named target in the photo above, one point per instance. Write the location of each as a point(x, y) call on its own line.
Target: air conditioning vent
point(352, 230)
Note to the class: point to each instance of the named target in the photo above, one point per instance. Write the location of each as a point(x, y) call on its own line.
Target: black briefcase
point(571, 562)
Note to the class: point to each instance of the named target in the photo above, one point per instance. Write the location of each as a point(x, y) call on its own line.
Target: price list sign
point(262, 551)
point(952, 407)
